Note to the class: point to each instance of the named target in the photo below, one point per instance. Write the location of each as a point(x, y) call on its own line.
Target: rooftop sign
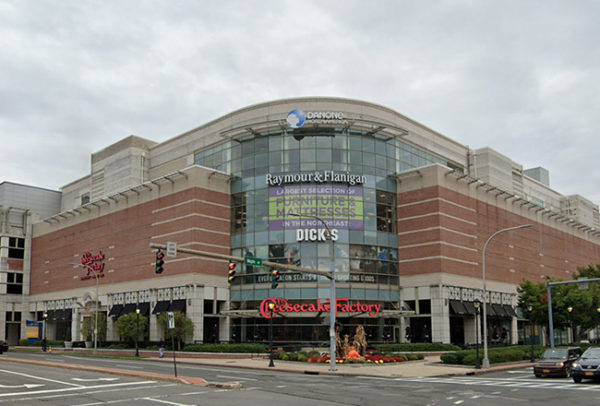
point(297, 118)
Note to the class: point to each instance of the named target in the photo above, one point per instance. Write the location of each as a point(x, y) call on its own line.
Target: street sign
point(250, 261)
point(171, 249)
point(170, 320)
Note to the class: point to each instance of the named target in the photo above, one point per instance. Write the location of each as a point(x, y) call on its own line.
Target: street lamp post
point(89, 268)
point(137, 327)
point(569, 310)
point(486, 361)
point(530, 310)
point(597, 331)
point(332, 356)
point(271, 363)
point(45, 328)
point(477, 304)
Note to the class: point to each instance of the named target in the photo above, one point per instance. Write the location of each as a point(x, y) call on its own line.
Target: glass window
point(238, 212)
point(386, 219)
point(380, 147)
point(275, 143)
point(16, 248)
point(368, 159)
point(355, 142)
point(247, 148)
point(308, 155)
point(323, 143)
point(324, 155)
point(368, 144)
point(261, 144)
point(355, 158)
point(262, 159)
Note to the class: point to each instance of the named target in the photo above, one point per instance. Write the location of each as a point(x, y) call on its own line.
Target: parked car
point(556, 362)
point(587, 366)
point(3, 346)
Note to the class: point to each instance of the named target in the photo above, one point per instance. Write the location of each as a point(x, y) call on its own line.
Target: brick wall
point(195, 218)
point(442, 230)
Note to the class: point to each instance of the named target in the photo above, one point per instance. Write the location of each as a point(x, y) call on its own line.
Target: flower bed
point(371, 357)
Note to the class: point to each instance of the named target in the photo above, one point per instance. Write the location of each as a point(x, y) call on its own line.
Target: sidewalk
point(429, 367)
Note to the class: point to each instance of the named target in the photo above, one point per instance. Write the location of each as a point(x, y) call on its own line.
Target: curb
point(133, 374)
point(466, 371)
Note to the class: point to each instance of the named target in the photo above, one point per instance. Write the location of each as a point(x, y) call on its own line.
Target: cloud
point(519, 77)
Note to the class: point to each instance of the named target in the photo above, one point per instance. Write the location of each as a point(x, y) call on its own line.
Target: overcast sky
point(521, 77)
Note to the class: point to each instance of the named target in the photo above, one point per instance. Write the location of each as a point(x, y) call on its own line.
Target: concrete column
point(111, 329)
point(76, 325)
point(154, 329)
point(224, 323)
point(195, 312)
point(514, 333)
point(440, 316)
point(469, 324)
point(2, 317)
point(404, 322)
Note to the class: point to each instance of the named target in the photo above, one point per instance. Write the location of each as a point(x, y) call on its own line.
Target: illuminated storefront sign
point(339, 206)
point(341, 305)
point(93, 265)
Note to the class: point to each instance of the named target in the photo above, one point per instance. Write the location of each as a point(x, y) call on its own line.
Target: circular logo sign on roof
point(296, 118)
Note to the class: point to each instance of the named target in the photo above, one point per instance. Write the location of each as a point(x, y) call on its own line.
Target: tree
point(128, 327)
point(584, 303)
point(87, 327)
point(183, 327)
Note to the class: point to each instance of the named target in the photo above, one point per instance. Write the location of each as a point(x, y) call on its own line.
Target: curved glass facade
point(285, 183)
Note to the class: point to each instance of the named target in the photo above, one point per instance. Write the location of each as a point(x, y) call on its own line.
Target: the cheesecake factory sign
point(342, 304)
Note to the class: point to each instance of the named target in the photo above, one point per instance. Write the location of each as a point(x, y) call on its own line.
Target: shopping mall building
point(409, 210)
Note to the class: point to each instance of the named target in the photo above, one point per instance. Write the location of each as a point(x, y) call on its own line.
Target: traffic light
point(232, 266)
point(274, 279)
point(160, 261)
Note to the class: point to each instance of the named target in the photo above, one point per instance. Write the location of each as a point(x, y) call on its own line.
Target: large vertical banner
point(339, 206)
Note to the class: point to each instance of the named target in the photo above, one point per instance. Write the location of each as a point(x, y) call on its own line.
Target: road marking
point(192, 393)
point(236, 377)
point(79, 387)
point(40, 378)
point(167, 402)
point(94, 379)
point(26, 385)
point(129, 366)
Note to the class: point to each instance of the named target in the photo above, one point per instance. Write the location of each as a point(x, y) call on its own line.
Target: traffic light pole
point(288, 267)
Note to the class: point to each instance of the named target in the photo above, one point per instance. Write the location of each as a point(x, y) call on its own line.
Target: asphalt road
point(76, 388)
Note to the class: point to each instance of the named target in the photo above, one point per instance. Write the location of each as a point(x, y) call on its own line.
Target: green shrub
point(49, 343)
point(449, 358)
point(469, 359)
point(415, 347)
point(23, 342)
point(302, 357)
point(228, 348)
point(284, 356)
point(117, 347)
point(495, 355)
